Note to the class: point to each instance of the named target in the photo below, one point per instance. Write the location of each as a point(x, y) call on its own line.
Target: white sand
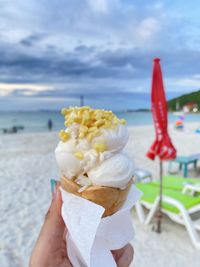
point(26, 166)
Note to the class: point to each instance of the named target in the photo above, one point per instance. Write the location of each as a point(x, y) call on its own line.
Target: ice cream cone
point(110, 198)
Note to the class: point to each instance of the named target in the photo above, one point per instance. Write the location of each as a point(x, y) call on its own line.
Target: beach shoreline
point(27, 164)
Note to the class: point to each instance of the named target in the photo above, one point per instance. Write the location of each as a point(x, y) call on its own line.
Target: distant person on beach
point(50, 248)
point(50, 124)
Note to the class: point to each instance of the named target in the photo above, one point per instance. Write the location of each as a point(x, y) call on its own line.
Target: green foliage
point(193, 97)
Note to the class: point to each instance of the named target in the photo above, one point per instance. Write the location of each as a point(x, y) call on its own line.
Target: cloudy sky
point(51, 52)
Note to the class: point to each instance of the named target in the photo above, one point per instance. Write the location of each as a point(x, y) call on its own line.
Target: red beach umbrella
point(162, 146)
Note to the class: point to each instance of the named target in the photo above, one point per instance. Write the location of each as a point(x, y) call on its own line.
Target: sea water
point(37, 121)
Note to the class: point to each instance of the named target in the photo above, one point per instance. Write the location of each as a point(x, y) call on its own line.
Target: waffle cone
point(110, 198)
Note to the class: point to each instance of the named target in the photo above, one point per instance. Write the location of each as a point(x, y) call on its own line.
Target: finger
point(52, 231)
point(53, 227)
point(124, 256)
point(117, 253)
point(65, 233)
point(58, 199)
point(54, 224)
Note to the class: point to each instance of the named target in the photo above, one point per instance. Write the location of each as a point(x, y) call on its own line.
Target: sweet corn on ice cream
point(90, 155)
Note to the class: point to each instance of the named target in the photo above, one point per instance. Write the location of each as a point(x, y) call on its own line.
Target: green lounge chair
point(176, 182)
point(175, 204)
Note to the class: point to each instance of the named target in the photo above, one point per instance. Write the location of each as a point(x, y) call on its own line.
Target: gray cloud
point(81, 47)
point(32, 39)
point(119, 64)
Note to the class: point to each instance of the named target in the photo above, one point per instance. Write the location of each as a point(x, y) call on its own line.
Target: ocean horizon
point(37, 121)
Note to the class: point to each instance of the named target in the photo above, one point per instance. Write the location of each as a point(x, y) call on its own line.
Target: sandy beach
point(27, 164)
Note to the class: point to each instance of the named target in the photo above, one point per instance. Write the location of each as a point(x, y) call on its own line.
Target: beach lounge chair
point(191, 189)
point(142, 175)
point(176, 182)
point(176, 205)
point(190, 186)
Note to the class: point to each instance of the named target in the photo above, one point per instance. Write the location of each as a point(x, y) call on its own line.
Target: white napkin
point(90, 237)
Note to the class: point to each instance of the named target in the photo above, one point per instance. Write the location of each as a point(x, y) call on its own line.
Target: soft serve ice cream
point(90, 151)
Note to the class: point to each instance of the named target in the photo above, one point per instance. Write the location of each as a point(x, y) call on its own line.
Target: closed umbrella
point(162, 146)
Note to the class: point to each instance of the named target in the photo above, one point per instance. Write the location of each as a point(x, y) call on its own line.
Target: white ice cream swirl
point(79, 159)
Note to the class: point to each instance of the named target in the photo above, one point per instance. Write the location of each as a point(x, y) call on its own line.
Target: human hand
point(123, 256)
point(50, 249)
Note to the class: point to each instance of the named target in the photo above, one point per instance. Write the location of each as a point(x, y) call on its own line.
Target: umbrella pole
point(159, 214)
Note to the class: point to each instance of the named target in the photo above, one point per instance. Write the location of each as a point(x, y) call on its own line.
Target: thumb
point(54, 225)
point(51, 235)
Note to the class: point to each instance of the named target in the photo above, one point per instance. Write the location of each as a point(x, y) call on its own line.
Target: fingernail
point(53, 187)
point(57, 189)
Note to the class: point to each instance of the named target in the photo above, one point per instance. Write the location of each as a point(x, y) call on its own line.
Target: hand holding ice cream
point(51, 253)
